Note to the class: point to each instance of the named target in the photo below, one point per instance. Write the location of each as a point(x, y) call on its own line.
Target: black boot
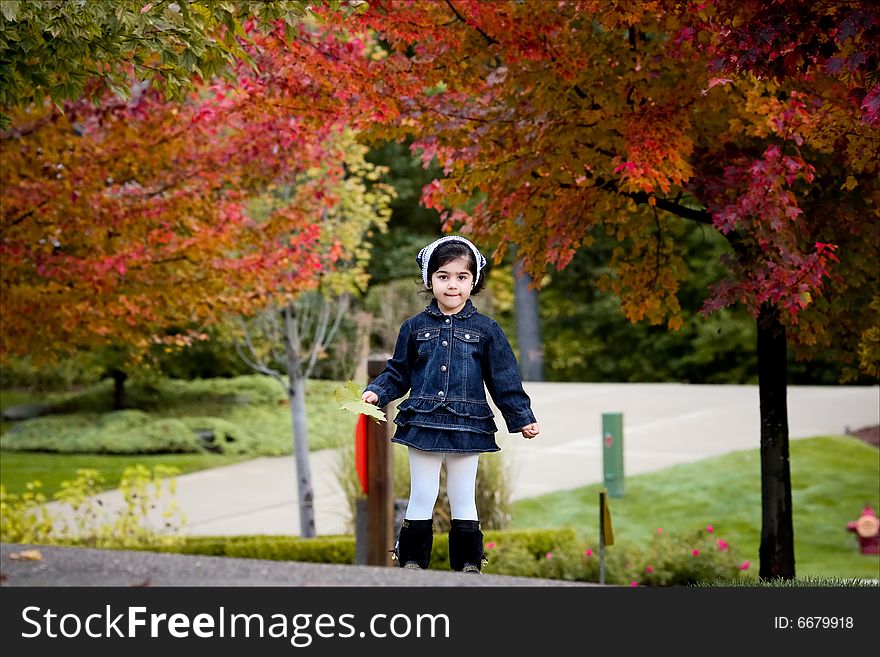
point(414, 542)
point(466, 546)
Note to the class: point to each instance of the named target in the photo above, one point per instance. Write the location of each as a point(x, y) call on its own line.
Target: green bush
point(341, 549)
point(23, 372)
point(154, 436)
point(222, 436)
point(685, 560)
point(329, 549)
point(46, 434)
point(148, 517)
point(545, 553)
point(664, 560)
point(118, 432)
point(253, 389)
point(320, 549)
point(245, 415)
point(154, 394)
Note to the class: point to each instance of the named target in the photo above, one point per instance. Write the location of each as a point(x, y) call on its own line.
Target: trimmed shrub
point(169, 393)
point(320, 549)
point(119, 432)
point(221, 436)
point(46, 434)
point(546, 553)
point(327, 549)
point(245, 415)
point(253, 389)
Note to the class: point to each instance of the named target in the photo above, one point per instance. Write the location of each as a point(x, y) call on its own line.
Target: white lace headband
point(424, 256)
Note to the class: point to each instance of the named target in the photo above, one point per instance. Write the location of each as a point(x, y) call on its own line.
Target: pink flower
point(745, 565)
point(634, 583)
point(659, 530)
point(549, 555)
point(722, 544)
point(696, 553)
point(649, 569)
point(490, 545)
point(710, 528)
point(588, 552)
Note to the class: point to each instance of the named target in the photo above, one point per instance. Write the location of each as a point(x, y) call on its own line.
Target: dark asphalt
point(66, 566)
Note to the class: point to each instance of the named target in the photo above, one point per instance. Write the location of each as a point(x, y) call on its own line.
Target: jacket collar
point(468, 310)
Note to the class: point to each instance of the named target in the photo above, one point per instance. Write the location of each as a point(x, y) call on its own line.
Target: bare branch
point(252, 360)
point(319, 334)
point(488, 38)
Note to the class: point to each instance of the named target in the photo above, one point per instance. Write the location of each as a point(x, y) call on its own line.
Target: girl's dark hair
point(452, 250)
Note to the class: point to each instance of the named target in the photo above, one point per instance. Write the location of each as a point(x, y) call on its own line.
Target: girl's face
point(452, 285)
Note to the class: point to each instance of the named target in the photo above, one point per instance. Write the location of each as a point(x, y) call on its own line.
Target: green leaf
point(189, 60)
point(349, 398)
point(10, 10)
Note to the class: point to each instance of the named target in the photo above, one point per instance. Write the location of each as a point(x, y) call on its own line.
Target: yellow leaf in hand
point(349, 398)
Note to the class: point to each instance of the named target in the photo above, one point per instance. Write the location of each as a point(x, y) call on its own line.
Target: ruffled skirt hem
point(431, 439)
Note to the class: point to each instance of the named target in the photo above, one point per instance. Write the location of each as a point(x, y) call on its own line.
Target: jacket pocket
point(427, 339)
point(466, 342)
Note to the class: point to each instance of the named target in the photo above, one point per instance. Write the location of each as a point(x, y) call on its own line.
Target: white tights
point(461, 481)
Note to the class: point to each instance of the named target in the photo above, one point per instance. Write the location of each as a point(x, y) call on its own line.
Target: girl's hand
point(530, 430)
point(370, 397)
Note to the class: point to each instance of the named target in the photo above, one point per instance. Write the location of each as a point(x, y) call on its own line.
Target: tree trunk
point(296, 393)
point(120, 398)
point(528, 326)
point(777, 532)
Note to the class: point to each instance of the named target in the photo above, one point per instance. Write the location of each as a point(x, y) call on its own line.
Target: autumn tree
point(136, 221)
point(62, 50)
point(555, 122)
point(288, 338)
point(127, 219)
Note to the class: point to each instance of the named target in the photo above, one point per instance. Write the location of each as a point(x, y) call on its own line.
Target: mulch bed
point(870, 435)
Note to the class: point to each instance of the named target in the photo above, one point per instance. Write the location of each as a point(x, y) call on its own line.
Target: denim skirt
point(430, 439)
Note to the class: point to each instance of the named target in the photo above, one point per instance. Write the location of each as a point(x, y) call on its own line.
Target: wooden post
point(606, 532)
point(601, 537)
point(380, 482)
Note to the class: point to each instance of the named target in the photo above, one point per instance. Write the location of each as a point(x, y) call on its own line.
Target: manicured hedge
point(546, 553)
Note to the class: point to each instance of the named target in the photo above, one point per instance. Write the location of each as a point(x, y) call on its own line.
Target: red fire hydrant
point(867, 530)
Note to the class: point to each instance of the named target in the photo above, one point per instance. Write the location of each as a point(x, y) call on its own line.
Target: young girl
point(446, 357)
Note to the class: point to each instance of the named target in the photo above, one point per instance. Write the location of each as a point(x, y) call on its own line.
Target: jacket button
point(467, 336)
point(443, 368)
point(440, 394)
point(447, 320)
point(445, 343)
point(427, 335)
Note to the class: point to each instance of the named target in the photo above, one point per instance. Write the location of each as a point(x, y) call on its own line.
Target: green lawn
point(832, 480)
point(19, 468)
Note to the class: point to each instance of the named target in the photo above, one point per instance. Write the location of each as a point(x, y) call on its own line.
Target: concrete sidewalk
point(664, 424)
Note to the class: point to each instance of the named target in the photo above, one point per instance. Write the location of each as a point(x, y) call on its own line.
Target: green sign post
point(612, 452)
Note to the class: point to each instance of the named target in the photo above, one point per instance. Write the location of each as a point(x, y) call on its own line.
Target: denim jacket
point(447, 362)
